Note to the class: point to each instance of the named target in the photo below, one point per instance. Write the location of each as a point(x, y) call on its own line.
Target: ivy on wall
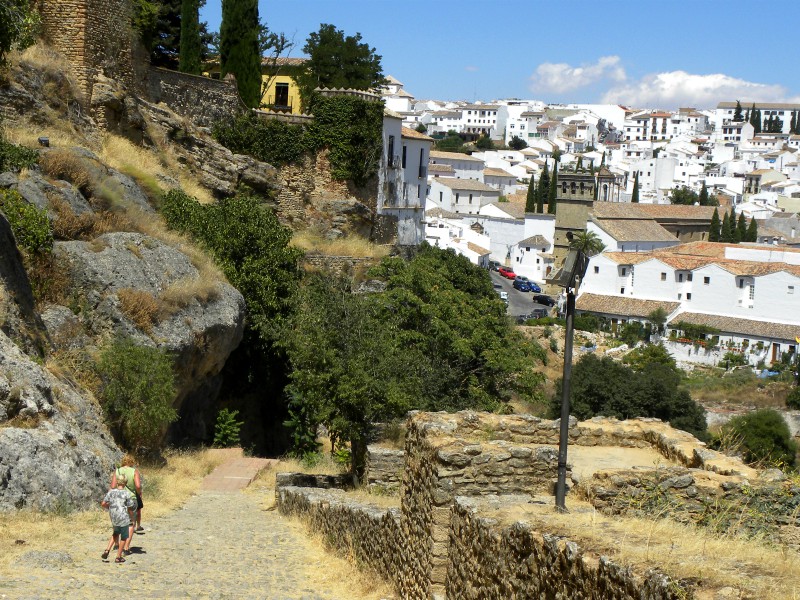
point(349, 127)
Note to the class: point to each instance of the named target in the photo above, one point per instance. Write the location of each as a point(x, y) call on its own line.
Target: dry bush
point(61, 82)
point(75, 366)
point(63, 164)
point(50, 277)
point(140, 307)
point(180, 294)
point(357, 247)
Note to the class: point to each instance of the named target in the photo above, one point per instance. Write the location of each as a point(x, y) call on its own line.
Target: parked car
point(521, 285)
point(504, 297)
point(544, 299)
point(536, 313)
point(507, 272)
point(494, 265)
point(534, 287)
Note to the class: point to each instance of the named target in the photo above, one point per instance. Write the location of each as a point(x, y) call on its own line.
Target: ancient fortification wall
point(96, 38)
point(468, 480)
point(202, 99)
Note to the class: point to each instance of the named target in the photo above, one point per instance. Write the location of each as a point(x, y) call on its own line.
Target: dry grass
point(180, 293)
point(65, 164)
point(326, 466)
point(357, 247)
point(762, 569)
point(165, 487)
point(140, 307)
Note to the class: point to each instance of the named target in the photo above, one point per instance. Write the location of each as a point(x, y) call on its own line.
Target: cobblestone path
point(219, 545)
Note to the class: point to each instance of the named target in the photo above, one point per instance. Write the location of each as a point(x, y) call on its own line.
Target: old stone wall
point(96, 37)
point(201, 99)
point(492, 562)
point(701, 498)
point(384, 468)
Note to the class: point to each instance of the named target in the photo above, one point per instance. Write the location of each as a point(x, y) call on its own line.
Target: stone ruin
point(464, 476)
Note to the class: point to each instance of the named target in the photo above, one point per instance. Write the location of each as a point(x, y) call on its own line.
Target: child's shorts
point(122, 531)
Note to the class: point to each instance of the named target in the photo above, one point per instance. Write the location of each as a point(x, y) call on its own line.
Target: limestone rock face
point(199, 322)
point(55, 451)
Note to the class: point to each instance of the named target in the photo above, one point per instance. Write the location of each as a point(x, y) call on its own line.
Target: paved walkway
point(221, 544)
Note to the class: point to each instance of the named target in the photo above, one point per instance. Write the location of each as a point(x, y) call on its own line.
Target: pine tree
point(190, 45)
point(737, 113)
point(702, 199)
point(239, 50)
point(635, 194)
point(747, 116)
point(725, 230)
point(551, 197)
point(741, 229)
point(713, 230)
point(543, 189)
point(530, 200)
point(752, 231)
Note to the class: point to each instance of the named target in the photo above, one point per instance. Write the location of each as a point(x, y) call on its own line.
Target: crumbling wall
point(203, 100)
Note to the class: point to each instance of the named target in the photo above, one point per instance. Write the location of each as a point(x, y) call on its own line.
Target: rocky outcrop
point(55, 451)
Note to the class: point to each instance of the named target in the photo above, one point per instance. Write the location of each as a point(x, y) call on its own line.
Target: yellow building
point(280, 91)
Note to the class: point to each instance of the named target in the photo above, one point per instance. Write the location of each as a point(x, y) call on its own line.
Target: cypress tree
point(747, 116)
point(543, 189)
point(603, 160)
point(793, 122)
point(579, 166)
point(752, 231)
point(755, 121)
point(530, 200)
point(713, 231)
point(741, 229)
point(239, 50)
point(725, 230)
point(551, 198)
point(703, 197)
point(190, 46)
point(737, 113)
point(635, 195)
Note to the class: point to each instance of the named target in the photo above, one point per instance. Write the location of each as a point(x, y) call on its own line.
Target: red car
point(507, 273)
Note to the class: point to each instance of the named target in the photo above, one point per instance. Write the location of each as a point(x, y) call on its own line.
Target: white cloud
point(558, 78)
point(679, 88)
point(471, 68)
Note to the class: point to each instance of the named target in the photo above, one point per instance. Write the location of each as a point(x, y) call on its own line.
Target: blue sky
point(645, 53)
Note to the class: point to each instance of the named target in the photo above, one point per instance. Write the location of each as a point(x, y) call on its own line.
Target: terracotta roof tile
point(630, 230)
point(454, 156)
point(765, 329)
point(467, 184)
point(477, 249)
point(407, 132)
point(491, 172)
point(622, 305)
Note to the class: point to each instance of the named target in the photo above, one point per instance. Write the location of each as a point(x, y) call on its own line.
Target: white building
point(464, 166)
point(748, 292)
point(462, 196)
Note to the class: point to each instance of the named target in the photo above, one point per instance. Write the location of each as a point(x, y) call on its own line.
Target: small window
point(663, 276)
point(689, 296)
point(624, 271)
point(706, 280)
point(621, 290)
point(791, 289)
point(680, 276)
point(597, 270)
point(741, 284)
point(680, 296)
point(689, 277)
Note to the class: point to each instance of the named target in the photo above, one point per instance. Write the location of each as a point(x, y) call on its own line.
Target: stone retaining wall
point(201, 99)
point(488, 562)
point(384, 468)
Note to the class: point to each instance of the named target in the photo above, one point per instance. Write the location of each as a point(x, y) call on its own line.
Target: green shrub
point(793, 399)
point(632, 333)
point(30, 225)
point(138, 387)
point(226, 431)
point(764, 437)
point(554, 344)
point(586, 323)
point(733, 359)
point(15, 158)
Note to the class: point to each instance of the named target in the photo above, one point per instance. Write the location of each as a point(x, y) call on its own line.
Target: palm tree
point(587, 242)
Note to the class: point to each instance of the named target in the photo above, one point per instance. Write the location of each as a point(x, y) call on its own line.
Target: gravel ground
point(219, 545)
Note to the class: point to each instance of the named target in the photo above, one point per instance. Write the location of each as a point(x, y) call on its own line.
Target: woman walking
point(134, 484)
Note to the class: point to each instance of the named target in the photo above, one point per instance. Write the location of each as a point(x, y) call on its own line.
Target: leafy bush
point(227, 428)
point(586, 323)
point(764, 437)
point(275, 142)
point(733, 359)
point(15, 158)
point(632, 333)
point(137, 392)
point(602, 386)
point(793, 399)
point(30, 225)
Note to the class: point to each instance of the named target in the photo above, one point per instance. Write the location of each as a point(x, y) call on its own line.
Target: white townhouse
point(450, 232)
point(781, 110)
point(464, 166)
point(395, 97)
point(441, 121)
point(735, 131)
point(749, 292)
point(402, 179)
point(648, 126)
point(462, 196)
point(631, 235)
point(479, 119)
point(500, 179)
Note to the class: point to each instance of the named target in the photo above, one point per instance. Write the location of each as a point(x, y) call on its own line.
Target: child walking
point(120, 504)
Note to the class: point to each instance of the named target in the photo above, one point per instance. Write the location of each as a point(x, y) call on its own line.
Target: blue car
point(534, 287)
point(521, 285)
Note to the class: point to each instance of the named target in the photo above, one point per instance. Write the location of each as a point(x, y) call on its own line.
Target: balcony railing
point(279, 105)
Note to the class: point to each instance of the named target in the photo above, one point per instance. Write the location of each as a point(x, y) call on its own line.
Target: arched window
point(572, 188)
point(605, 191)
point(563, 187)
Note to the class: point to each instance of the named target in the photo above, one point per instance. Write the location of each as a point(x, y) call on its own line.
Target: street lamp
point(569, 277)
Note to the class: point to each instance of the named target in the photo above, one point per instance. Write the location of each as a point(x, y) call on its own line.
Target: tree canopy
point(240, 47)
point(517, 143)
point(436, 338)
point(587, 242)
point(18, 23)
point(191, 43)
point(338, 61)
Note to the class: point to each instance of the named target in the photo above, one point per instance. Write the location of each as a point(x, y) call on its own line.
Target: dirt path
point(218, 545)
